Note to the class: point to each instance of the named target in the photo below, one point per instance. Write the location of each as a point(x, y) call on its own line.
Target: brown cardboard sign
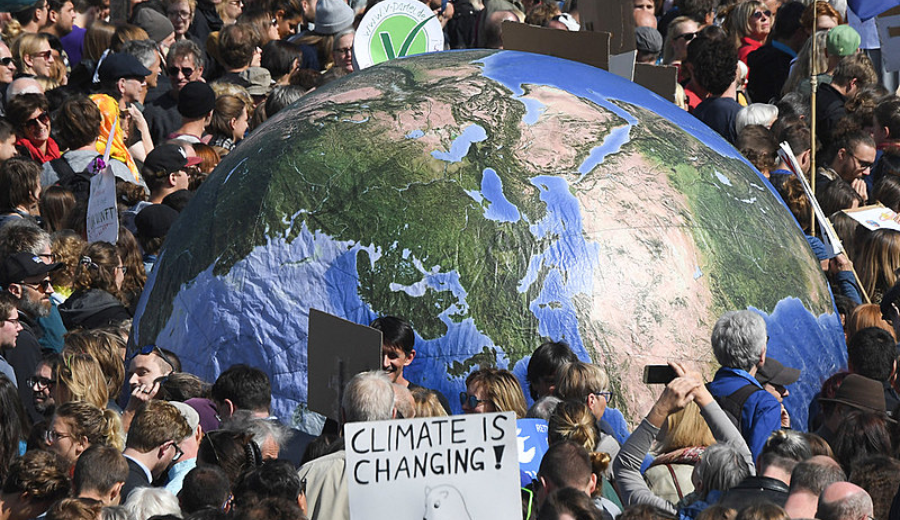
point(613, 16)
point(659, 79)
point(591, 48)
point(337, 350)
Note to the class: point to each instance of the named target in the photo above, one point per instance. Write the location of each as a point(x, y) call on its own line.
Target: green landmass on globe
point(455, 194)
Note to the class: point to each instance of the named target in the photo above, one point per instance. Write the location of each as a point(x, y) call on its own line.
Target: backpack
point(79, 183)
point(733, 404)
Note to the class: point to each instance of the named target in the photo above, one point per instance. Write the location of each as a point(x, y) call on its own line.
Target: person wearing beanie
point(196, 102)
point(332, 17)
point(649, 44)
point(157, 25)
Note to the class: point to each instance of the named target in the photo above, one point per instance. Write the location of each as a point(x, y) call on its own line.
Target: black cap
point(155, 220)
point(775, 373)
point(196, 99)
point(168, 158)
point(121, 65)
point(18, 267)
point(648, 39)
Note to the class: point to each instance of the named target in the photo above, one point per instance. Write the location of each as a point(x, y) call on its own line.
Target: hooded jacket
point(92, 309)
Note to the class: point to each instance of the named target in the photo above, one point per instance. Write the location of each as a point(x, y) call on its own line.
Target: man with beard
point(42, 383)
point(27, 278)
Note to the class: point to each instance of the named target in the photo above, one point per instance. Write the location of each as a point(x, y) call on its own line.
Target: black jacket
point(92, 309)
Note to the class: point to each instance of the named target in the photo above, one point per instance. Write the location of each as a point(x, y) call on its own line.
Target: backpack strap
point(733, 404)
point(63, 171)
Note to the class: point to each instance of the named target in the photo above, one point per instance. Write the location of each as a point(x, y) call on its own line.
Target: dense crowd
point(92, 431)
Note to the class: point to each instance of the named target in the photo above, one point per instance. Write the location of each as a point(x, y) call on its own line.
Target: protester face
point(155, 68)
point(42, 388)
point(7, 65)
point(682, 36)
point(760, 23)
point(394, 360)
point(145, 370)
point(181, 16)
point(287, 27)
point(8, 148)
point(241, 124)
point(343, 52)
point(234, 8)
point(65, 18)
point(37, 127)
point(183, 71)
point(825, 22)
point(42, 60)
point(481, 406)
point(60, 440)
point(133, 89)
point(643, 5)
point(9, 330)
point(35, 299)
point(597, 404)
point(857, 164)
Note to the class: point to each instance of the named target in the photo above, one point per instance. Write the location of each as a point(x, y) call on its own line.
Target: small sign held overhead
point(338, 350)
point(396, 29)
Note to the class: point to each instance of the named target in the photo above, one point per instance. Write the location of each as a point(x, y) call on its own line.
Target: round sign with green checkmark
point(395, 29)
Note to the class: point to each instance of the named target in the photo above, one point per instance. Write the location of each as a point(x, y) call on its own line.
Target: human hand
point(860, 186)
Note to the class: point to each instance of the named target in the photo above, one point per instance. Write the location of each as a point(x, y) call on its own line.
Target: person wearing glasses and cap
point(851, 163)
point(775, 379)
point(153, 442)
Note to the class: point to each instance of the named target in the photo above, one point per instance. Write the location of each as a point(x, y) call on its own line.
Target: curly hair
point(43, 475)
point(501, 389)
point(98, 426)
point(97, 268)
point(573, 420)
point(66, 245)
point(714, 62)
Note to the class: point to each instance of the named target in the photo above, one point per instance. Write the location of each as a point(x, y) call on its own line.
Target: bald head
point(23, 86)
point(844, 501)
point(644, 18)
point(494, 28)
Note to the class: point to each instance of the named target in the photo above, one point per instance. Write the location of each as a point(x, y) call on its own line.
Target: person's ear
point(172, 180)
point(593, 485)
point(279, 15)
point(410, 357)
point(232, 122)
point(15, 290)
point(120, 85)
point(115, 494)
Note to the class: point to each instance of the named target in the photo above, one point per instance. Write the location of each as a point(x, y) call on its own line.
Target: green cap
point(842, 40)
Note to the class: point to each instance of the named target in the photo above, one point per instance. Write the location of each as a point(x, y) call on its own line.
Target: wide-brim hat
point(861, 393)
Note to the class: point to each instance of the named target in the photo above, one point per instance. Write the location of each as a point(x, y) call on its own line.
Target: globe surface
point(496, 200)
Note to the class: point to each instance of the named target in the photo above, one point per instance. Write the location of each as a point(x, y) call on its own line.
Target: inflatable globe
point(496, 200)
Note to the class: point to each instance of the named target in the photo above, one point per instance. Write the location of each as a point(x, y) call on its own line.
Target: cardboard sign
point(888, 25)
point(102, 216)
point(462, 467)
point(658, 79)
point(590, 48)
point(875, 217)
point(616, 18)
point(394, 29)
point(337, 350)
point(531, 434)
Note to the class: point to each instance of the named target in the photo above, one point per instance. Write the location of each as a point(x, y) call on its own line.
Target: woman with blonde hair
point(879, 259)
point(798, 79)
point(493, 390)
point(80, 378)
point(67, 246)
point(748, 24)
point(98, 282)
point(864, 316)
point(76, 426)
point(427, 403)
point(686, 437)
point(104, 347)
point(33, 55)
point(681, 32)
point(588, 384)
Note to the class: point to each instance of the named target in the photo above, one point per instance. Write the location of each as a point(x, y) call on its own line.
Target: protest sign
point(531, 434)
point(888, 26)
point(875, 217)
point(591, 48)
point(337, 350)
point(616, 18)
point(460, 467)
point(102, 217)
point(659, 79)
point(395, 29)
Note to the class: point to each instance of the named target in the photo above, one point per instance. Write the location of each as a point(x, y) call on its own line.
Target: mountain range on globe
point(496, 200)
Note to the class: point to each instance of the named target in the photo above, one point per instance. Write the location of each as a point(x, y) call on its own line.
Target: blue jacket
point(761, 414)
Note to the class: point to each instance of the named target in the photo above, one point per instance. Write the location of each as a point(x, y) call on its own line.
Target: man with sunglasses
point(851, 164)
point(26, 277)
point(152, 445)
point(185, 64)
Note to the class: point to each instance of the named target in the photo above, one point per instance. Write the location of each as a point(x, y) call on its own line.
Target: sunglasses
point(185, 71)
point(153, 349)
point(6, 62)
point(40, 382)
point(43, 55)
point(759, 14)
point(46, 285)
point(688, 36)
point(467, 399)
point(43, 118)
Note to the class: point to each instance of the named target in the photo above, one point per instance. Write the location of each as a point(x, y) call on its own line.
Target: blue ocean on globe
point(496, 200)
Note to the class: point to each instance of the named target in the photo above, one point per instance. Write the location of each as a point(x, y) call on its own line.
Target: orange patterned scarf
point(109, 109)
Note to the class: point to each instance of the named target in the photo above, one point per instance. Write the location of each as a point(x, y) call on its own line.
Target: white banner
point(102, 216)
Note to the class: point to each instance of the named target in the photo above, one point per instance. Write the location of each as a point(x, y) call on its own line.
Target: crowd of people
point(91, 431)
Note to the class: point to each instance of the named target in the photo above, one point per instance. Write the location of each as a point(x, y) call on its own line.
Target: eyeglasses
point(180, 14)
point(51, 436)
point(40, 382)
point(236, 3)
point(759, 14)
point(6, 62)
point(606, 395)
point(45, 284)
point(185, 71)
point(274, 22)
point(468, 400)
point(303, 486)
point(44, 55)
point(42, 119)
point(14, 321)
point(688, 36)
point(178, 452)
point(863, 165)
point(153, 349)
point(344, 50)
point(48, 256)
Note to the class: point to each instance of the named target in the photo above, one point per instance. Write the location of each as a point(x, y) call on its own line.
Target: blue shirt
point(761, 414)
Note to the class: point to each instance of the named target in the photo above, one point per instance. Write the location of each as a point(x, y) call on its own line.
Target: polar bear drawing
point(445, 503)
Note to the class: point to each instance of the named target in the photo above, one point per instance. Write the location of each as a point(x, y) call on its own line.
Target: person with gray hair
point(755, 114)
point(808, 480)
point(722, 465)
point(369, 396)
point(543, 408)
point(268, 434)
point(147, 52)
point(739, 343)
point(844, 501)
point(145, 502)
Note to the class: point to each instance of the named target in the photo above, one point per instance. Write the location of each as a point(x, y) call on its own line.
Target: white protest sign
point(102, 216)
point(394, 29)
point(888, 25)
point(463, 467)
point(875, 217)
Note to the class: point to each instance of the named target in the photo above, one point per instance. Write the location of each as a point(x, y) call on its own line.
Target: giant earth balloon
point(496, 200)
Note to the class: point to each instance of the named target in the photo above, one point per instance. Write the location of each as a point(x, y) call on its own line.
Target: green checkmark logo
point(402, 29)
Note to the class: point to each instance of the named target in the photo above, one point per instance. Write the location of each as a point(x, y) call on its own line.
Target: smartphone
point(659, 374)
